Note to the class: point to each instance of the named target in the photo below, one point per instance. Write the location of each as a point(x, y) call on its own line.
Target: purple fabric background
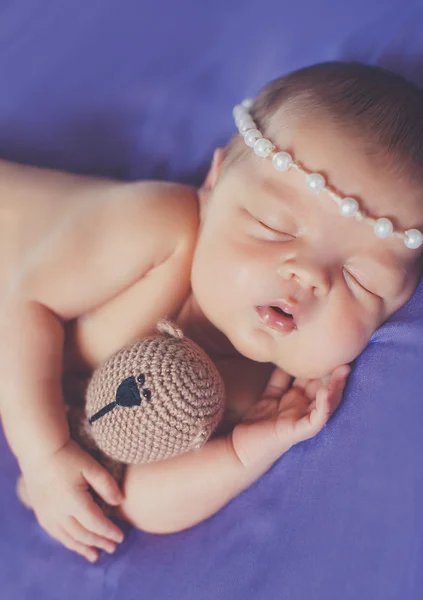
point(145, 89)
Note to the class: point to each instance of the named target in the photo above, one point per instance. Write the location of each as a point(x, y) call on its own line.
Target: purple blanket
point(137, 89)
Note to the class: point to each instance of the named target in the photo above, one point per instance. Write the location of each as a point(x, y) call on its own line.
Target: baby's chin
point(256, 346)
point(262, 348)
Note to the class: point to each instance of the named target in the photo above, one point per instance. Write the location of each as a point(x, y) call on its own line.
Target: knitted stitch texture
point(176, 392)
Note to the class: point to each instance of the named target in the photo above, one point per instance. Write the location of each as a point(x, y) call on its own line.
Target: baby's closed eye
point(360, 282)
point(264, 229)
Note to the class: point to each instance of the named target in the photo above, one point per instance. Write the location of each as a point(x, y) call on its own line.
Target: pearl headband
point(282, 161)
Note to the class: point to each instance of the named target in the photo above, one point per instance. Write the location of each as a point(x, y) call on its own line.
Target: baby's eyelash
point(275, 231)
point(358, 283)
point(268, 228)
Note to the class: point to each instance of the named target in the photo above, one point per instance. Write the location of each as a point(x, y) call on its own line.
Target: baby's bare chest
point(127, 317)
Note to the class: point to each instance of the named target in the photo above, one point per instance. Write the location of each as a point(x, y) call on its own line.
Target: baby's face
point(267, 241)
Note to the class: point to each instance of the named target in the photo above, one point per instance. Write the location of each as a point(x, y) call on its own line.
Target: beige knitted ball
point(158, 398)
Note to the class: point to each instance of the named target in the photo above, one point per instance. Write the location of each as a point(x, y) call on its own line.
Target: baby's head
point(269, 243)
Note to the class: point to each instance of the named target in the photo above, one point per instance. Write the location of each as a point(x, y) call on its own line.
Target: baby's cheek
point(347, 336)
point(211, 273)
point(228, 261)
point(326, 343)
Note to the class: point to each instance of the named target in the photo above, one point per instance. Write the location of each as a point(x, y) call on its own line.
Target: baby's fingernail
point(110, 549)
point(118, 537)
point(92, 558)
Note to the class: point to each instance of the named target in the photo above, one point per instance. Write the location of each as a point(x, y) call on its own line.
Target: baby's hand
point(58, 493)
point(285, 417)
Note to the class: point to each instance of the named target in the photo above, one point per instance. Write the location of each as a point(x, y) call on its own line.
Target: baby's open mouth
point(276, 318)
point(280, 311)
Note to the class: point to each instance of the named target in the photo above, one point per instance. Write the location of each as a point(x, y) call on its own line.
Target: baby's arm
point(56, 471)
point(175, 494)
point(93, 253)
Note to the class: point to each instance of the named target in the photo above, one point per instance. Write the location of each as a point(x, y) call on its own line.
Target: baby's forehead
point(348, 166)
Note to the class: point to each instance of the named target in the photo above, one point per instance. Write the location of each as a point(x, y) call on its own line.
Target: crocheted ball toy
point(155, 399)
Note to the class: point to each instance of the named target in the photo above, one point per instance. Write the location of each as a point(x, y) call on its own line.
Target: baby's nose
point(309, 275)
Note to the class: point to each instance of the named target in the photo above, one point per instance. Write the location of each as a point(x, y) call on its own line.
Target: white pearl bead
point(245, 124)
point(315, 182)
point(238, 110)
point(242, 117)
point(349, 207)
point(247, 103)
point(282, 161)
point(415, 239)
point(263, 147)
point(251, 136)
point(383, 227)
point(245, 119)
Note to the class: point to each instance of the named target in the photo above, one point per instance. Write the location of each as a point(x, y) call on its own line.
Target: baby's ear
point(211, 178)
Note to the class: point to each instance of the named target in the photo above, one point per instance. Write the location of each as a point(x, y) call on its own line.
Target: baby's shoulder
point(60, 230)
point(171, 211)
point(140, 272)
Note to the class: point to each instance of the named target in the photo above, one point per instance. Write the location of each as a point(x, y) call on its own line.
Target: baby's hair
point(381, 110)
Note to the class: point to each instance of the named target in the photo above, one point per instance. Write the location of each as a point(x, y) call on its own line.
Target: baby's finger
point(86, 537)
point(311, 388)
point(103, 483)
point(336, 386)
point(327, 401)
point(92, 518)
point(320, 415)
point(278, 383)
point(340, 373)
point(91, 554)
point(307, 427)
point(308, 386)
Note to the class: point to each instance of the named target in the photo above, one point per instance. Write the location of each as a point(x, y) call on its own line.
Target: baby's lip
point(291, 307)
point(274, 319)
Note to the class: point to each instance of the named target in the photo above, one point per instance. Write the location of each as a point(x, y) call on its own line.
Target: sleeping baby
point(303, 240)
